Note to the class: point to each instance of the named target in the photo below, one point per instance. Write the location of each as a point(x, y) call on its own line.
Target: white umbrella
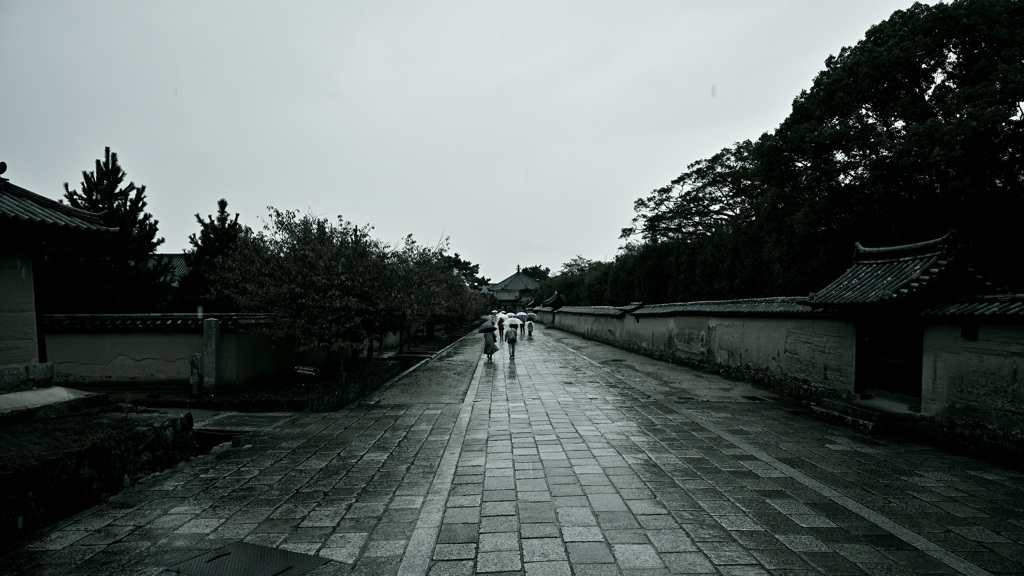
point(513, 321)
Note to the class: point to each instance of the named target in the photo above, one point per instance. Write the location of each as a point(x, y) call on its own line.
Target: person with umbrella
point(522, 323)
point(511, 335)
point(490, 339)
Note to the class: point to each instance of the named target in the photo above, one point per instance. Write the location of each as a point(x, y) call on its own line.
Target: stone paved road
point(558, 464)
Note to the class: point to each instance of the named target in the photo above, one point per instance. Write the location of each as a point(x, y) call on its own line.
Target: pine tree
point(108, 273)
point(216, 240)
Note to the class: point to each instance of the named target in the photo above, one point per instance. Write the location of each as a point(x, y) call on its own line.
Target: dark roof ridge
point(92, 217)
point(733, 300)
point(942, 245)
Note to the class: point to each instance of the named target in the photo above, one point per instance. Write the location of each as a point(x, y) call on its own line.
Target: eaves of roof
point(990, 307)
point(887, 274)
point(19, 204)
point(148, 322)
point(784, 306)
point(592, 310)
point(517, 281)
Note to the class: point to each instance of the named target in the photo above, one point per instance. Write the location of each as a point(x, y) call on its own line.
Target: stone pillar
point(211, 352)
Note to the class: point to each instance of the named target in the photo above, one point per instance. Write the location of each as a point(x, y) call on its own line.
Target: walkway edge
point(416, 560)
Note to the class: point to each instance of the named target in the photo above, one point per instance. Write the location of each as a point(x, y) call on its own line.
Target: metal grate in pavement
point(243, 559)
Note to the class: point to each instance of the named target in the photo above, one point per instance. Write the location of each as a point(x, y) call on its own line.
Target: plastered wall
point(17, 311)
point(819, 350)
point(980, 374)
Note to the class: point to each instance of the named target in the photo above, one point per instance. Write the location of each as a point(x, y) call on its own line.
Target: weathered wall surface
point(821, 351)
point(151, 356)
point(122, 356)
point(17, 311)
point(982, 378)
point(19, 350)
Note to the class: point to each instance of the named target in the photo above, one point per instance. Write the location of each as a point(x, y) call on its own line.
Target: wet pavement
point(557, 464)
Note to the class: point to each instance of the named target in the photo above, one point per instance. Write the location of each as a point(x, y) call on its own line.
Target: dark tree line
point(915, 131)
point(331, 284)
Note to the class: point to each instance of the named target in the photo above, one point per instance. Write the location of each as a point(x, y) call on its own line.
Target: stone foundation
point(34, 494)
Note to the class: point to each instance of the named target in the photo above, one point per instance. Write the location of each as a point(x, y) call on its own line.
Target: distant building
point(515, 292)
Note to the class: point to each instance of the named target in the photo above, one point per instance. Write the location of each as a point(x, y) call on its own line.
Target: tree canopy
point(335, 286)
point(915, 131)
point(109, 273)
point(216, 241)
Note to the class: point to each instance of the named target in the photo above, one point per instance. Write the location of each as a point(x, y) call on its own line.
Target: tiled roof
point(19, 204)
point(555, 302)
point(1001, 306)
point(592, 310)
point(779, 306)
point(146, 322)
point(517, 281)
point(178, 267)
point(887, 274)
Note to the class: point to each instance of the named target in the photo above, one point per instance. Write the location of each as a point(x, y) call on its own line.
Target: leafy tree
point(335, 287)
point(913, 132)
point(537, 272)
point(467, 270)
point(216, 240)
point(576, 266)
point(321, 279)
point(108, 273)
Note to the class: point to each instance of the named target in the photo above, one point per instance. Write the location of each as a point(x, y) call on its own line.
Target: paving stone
point(633, 556)
point(455, 552)
point(558, 466)
point(589, 553)
point(498, 562)
point(543, 549)
point(540, 530)
point(497, 541)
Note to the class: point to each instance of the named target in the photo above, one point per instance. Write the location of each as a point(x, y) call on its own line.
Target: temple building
point(515, 292)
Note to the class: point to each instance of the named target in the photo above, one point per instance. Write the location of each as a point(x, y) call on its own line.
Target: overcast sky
point(523, 131)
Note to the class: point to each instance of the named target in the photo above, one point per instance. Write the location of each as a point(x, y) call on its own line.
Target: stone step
point(831, 416)
point(868, 419)
point(51, 402)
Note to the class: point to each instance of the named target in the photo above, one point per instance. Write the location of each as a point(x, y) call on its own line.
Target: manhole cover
point(244, 559)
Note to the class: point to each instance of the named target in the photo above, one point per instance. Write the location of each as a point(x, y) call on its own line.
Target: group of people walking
point(507, 327)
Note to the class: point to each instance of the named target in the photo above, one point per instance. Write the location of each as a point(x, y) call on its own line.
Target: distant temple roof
point(20, 205)
point(178, 267)
point(555, 302)
point(517, 281)
point(896, 273)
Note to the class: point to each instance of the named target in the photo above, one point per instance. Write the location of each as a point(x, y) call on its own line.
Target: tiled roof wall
point(592, 310)
point(782, 306)
point(886, 274)
point(1004, 306)
point(147, 322)
point(19, 204)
